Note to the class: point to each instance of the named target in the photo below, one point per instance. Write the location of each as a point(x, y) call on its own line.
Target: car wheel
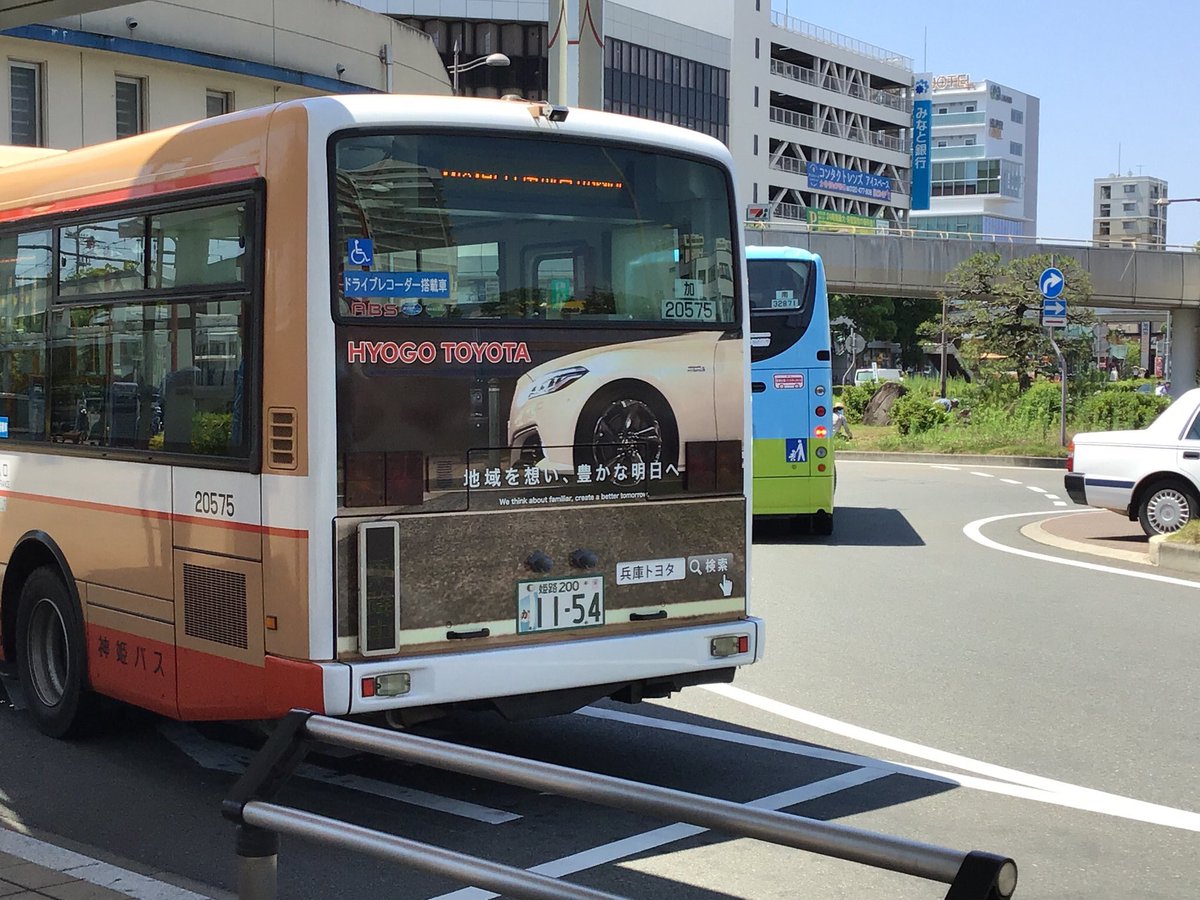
point(1166, 506)
point(52, 655)
point(626, 425)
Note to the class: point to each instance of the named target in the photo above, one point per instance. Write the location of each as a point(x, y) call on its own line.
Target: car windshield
point(454, 227)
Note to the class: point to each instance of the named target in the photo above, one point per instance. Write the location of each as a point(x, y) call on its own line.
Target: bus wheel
point(51, 655)
point(822, 523)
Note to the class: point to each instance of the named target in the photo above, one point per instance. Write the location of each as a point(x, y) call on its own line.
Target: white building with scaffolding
point(819, 122)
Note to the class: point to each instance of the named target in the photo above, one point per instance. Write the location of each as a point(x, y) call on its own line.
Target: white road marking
point(93, 871)
point(1072, 795)
point(1010, 481)
point(1006, 788)
point(973, 530)
point(1052, 497)
point(983, 474)
point(228, 758)
point(650, 840)
point(947, 468)
point(1060, 502)
point(1034, 487)
point(899, 462)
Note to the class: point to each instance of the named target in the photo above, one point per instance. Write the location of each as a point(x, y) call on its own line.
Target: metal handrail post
point(258, 860)
point(507, 880)
point(827, 838)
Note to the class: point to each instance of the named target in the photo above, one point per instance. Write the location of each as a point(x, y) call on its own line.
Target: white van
point(874, 376)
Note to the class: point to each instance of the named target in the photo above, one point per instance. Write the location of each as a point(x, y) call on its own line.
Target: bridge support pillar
point(1185, 349)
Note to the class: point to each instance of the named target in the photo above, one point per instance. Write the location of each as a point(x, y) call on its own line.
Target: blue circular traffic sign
point(1051, 282)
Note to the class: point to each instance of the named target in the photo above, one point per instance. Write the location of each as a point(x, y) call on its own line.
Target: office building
point(1126, 211)
point(656, 65)
point(983, 159)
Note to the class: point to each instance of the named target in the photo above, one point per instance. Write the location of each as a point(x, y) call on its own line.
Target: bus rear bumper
point(628, 664)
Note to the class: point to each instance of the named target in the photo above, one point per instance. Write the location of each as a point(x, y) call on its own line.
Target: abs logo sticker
point(796, 449)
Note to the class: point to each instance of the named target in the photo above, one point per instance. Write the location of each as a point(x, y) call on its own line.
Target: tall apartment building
point(983, 159)
point(820, 126)
point(1126, 212)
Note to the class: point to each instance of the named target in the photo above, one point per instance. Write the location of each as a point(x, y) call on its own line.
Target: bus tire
point(52, 656)
point(822, 523)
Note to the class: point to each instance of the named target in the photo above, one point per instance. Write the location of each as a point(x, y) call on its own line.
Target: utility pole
point(942, 367)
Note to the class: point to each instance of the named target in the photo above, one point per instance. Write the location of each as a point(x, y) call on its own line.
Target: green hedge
point(1116, 410)
point(914, 413)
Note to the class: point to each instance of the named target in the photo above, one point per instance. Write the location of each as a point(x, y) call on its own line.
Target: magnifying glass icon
point(694, 566)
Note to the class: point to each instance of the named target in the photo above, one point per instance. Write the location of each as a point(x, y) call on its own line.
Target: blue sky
point(1107, 73)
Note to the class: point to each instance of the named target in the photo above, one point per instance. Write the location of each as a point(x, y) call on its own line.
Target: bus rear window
point(779, 285)
point(452, 227)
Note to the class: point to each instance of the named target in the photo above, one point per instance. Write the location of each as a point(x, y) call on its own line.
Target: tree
point(995, 311)
point(886, 319)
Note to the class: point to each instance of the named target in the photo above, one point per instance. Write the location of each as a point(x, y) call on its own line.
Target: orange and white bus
point(373, 405)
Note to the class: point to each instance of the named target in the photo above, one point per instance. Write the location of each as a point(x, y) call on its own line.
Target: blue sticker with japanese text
point(796, 449)
point(3, 426)
point(396, 284)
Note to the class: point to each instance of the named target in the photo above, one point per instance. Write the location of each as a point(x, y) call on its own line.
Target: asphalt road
point(1053, 704)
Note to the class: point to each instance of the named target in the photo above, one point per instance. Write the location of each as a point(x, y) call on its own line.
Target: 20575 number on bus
point(561, 603)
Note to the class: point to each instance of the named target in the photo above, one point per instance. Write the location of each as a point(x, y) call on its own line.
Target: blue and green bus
point(792, 385)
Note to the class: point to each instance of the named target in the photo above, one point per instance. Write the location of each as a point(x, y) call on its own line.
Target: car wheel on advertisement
point(1166, 506)
point(626, 423)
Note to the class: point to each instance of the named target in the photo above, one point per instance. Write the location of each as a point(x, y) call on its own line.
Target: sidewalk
point(32, 868)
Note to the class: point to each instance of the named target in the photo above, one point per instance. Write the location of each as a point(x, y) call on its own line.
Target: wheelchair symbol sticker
point(360, 251)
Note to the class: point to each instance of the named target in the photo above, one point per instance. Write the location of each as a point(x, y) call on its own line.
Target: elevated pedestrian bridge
point(915, 264)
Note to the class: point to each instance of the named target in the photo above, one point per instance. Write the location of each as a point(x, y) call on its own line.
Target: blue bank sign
point(849, 181)
point(922, 123)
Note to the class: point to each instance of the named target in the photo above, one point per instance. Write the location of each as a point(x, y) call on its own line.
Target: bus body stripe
point(273, 530)
point(133, 192)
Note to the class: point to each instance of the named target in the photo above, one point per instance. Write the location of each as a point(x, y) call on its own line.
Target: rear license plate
point(560, 603)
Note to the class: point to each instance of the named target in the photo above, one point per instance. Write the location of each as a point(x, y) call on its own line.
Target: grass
point(999, 439)
point(1188, 534)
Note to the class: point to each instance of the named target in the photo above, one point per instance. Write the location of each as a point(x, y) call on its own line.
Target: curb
point(1035, 532)
point(967, 459)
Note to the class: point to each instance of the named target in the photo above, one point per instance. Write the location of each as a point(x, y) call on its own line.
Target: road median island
point(965, 459)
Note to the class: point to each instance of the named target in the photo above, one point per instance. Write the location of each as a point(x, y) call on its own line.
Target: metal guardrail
point(973, 875)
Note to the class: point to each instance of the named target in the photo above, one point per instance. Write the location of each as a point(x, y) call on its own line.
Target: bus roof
point(194, 153)
point(780, 253)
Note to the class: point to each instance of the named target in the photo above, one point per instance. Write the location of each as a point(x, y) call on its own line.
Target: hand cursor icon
point(726, 586)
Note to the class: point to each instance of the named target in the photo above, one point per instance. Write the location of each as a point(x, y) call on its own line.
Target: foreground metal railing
point(973, 875)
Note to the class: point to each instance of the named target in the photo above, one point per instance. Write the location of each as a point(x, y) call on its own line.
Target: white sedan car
point(1152, 475)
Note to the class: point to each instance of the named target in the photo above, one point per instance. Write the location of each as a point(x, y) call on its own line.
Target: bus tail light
point(820, 431)
point(729, 645)
point(1071, 457)
point(378, 588)
point(393, 684)
point(714, 466)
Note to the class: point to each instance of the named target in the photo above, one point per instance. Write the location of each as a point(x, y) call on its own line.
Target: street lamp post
point(492, 59)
